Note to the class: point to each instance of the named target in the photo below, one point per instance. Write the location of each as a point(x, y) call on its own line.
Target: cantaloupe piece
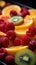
point(14, 50)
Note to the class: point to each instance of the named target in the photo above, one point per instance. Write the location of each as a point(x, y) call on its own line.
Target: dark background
point(31, 3)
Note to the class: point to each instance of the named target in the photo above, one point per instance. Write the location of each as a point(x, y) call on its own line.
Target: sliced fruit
point(20, 32)
point(2, 3)
point(32, 11)
point(17, 20)
point(29, 17)
point(14, 50)
point(21, 29)
point(25, 57)
point(6, 10)
point(2, 34)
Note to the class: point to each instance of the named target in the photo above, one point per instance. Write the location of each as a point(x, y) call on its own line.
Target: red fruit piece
point(13, 13)
point(9, 26)
point(9, 59)
point(4, 42)
point(25, 40)
point(2, 21)
point(0, 12)
point(32, 44)
point(0, 8)
point(2, 27)
point(11, 35)
point(5, 18)
point(24, 12)
point(17, 41)
point(31, 32)
point(3, 53)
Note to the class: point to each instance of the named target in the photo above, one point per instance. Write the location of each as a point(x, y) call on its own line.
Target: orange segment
point(2, 3)
point(6, 10)
point(21, 29)
point(2, 34)
point(33, 17)
point(32, 11)
point(14, 50)
point(20, 32)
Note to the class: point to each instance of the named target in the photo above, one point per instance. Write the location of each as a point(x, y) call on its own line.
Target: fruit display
point(17, 35)
point(25, 58)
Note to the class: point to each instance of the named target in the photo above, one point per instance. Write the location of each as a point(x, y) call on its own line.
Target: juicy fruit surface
point(10, 8)
point(21, 29)
point(14, 50)
point(21, 53)
point(31, 17)
point(17, 20)
point(32, 11)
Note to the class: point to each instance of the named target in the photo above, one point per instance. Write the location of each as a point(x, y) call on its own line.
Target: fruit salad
point(17, 35)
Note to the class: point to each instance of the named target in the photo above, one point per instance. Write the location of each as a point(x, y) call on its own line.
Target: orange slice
point(6, 10)
point(32, 11)
point(21, 29)
point(2, 34)
point(2, 3)
point(33, 17)
point(14, 50)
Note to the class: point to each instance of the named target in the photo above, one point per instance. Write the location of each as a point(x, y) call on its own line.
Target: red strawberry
point(9, 59)
point(13, 13)
point(17, 41)
point(9, 26)
point(11, 35)
point(3, 53)
point(25, 40)
point(5, 42)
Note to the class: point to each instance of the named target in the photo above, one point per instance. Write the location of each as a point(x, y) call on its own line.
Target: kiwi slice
point(17, 20)
point(25, 57)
